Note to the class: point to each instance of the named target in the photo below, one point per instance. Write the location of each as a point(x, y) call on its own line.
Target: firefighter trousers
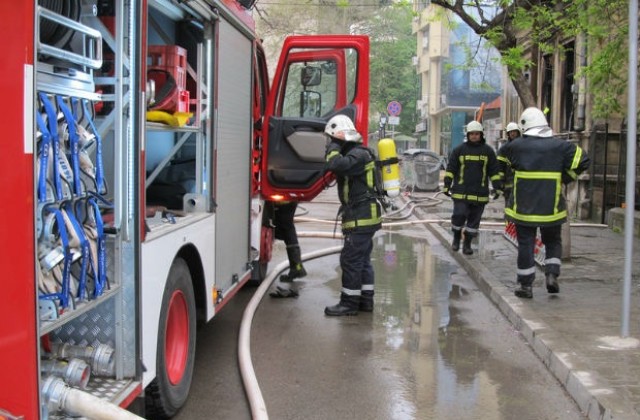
point(285, 228)
point(469, 213)
point(551, 238)
point(357, 271)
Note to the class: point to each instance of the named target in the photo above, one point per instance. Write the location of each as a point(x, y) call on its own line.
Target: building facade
point(457, 72)
point(559, 87)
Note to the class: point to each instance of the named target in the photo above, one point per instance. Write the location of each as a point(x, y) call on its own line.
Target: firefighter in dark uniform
point(541, 165)
point(470, 168)
point(353, 166)
point(513, 132)
point(285, 230)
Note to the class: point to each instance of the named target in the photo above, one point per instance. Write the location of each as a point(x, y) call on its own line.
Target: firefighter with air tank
point(354, 167)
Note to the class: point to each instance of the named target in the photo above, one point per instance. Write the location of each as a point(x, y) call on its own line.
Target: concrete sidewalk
point(575, 333)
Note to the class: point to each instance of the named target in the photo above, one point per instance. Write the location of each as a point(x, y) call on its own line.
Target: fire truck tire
point(176, 345)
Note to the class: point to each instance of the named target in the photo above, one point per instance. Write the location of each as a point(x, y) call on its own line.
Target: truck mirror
point(310, 76)
point(310, 103)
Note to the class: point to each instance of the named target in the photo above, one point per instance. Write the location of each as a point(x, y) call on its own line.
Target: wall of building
point(451, 92)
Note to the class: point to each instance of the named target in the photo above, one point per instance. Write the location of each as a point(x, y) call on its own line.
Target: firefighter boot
point(457, 235)
point(347, 306)
point(551, 280)
point(366, 302)
point(523, 291)
point(296, 270)
point(466, 244)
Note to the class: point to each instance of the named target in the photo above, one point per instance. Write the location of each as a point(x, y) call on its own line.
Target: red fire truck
point(143, 150)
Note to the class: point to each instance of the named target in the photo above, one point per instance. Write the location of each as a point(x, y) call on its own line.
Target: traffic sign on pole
point(394, 108)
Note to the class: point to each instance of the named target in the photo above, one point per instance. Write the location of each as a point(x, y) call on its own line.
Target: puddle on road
point(434, 347)
point(443, 368)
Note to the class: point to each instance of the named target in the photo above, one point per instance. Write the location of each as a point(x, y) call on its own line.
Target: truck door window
point(300, 99)
point(315, 84)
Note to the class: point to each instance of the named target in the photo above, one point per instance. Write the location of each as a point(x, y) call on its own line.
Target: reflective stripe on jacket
point(541, 166)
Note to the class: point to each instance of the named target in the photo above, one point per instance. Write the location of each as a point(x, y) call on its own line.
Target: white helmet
point(474, 127)
point(513, 127)
point(532, 118)
point(341, 127)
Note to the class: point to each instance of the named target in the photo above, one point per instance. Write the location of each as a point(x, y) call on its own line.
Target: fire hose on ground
point(438, 221)
point(413, 204)
point(252, 389)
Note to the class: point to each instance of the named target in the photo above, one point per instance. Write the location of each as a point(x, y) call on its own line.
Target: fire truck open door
point(316, 78)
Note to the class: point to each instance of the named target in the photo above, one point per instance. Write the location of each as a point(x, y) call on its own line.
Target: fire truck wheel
point(176, 345)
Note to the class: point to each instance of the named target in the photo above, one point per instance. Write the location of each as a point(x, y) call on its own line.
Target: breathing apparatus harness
point(373, 192)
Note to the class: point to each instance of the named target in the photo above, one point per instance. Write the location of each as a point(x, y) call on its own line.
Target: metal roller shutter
point(233, 125)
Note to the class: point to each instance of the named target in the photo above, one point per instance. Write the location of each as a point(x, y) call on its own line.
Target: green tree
point(277, 19)
point(512, 26)
point(392, 75)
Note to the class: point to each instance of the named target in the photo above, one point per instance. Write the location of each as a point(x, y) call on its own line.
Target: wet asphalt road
point(434, 347)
